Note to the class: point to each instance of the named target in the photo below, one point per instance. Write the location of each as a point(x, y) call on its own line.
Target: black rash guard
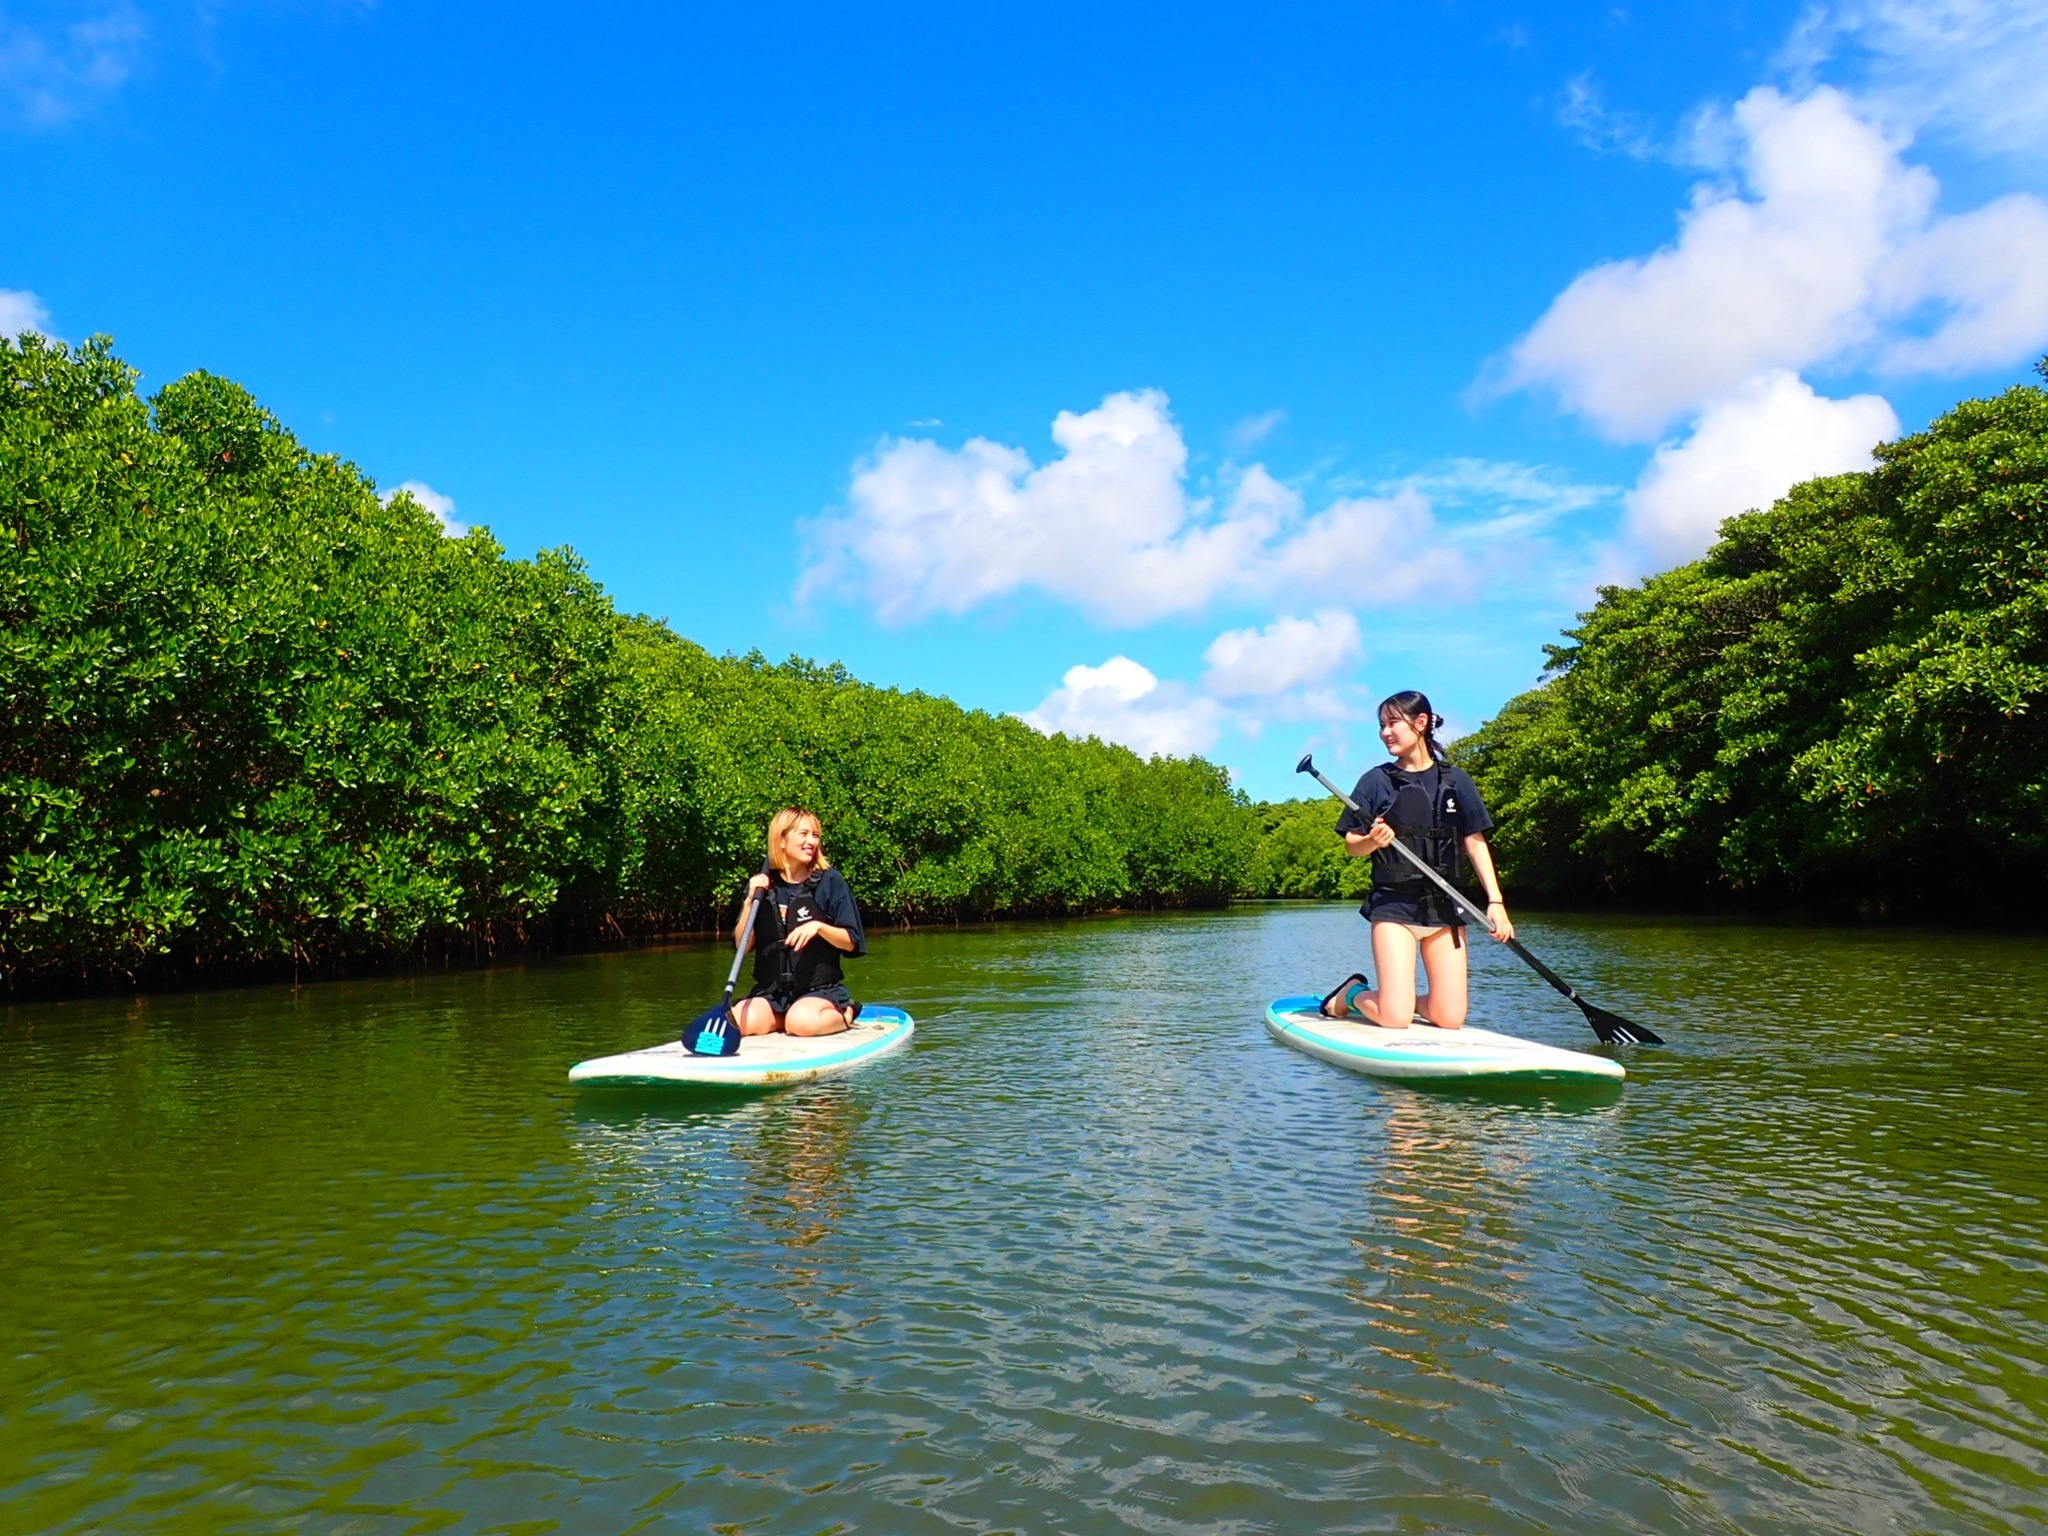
point(1432, 812)
point(825, 898)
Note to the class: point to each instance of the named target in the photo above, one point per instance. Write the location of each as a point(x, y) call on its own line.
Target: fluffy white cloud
point(22, 311)
point(53, 72)
point(443, 507)
point(1969, 68)
point(1122, 701)
point(1823, 249)
point(1110, 526)
point(1989, 270)
point(1286, 655)
point(1746, 452)
point(1289, 670)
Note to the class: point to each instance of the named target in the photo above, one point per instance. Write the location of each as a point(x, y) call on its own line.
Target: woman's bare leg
point(1443, 957)
point(814, 1016)
point(1393, 963)
point(755, 1017)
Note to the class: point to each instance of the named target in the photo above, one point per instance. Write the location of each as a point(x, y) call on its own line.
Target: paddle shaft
point(739, 950)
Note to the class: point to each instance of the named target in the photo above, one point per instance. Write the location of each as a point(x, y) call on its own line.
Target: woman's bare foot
point(1338, 1000)
point(1353, 1001)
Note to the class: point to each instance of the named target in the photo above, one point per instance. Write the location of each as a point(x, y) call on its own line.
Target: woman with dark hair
point(1432, 808)
point(808, 919)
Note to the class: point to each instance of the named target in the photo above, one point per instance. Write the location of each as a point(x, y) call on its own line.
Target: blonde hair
point(784, 819)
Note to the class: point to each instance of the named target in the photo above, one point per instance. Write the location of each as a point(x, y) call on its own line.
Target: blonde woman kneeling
point(808, 919)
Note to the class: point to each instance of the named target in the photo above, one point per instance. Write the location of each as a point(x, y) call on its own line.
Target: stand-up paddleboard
point(763, 1061)
point(1420, 1051)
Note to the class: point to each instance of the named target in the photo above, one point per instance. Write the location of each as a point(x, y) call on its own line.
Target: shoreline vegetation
point(1842, 705)
point(262, 721)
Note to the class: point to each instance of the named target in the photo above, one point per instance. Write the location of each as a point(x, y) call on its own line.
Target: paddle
point(715, 1032)
point(1612, 1028)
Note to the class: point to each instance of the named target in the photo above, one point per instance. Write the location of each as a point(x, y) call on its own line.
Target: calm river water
point(1095, 1256)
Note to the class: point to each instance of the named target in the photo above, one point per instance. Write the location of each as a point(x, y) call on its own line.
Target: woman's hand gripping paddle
point(715, 1032)
point(1612, 1028)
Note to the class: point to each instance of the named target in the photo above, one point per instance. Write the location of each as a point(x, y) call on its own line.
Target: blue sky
point(1191, 375)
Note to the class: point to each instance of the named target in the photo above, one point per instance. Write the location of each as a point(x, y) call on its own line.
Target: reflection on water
point(801, 1166)
point(1439, 1202)
point(1095, 1255)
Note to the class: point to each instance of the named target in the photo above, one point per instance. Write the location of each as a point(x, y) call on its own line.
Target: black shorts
point(834, 993)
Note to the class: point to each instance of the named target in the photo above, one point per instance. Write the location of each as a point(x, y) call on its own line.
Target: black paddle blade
point(1613, 1029)
point(714, 1032)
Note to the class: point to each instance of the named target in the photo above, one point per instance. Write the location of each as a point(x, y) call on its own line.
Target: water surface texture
point(1094, 1256)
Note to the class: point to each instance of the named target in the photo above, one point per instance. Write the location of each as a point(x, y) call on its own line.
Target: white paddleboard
point(1421, 1051)
point(763, 1061)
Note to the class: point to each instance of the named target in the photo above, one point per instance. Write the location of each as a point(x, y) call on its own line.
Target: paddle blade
point(1613, 1029)
point(714, 1032)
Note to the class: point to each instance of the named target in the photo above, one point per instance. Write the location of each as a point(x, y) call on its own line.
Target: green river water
point(1095, 1255)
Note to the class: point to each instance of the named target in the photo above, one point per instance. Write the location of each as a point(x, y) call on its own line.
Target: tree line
point(1841, 705)
point(259, 716)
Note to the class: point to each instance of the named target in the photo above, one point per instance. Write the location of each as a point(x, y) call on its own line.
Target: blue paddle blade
point(713, 1032)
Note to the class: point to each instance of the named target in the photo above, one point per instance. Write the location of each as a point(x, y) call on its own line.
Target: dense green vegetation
point(1841, 703)
point(256, 715)
point(1300, 854)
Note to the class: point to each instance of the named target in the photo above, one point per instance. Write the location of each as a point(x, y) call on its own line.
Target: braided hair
point(1414, 708)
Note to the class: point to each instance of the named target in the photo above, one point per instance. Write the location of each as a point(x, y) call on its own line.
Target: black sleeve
point(1472, 813)
point(835, 901)
point(1373, 795)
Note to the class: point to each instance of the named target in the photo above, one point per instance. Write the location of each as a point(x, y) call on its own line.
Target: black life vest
point(1424, 817)
point(801, 905)
point(784, 907)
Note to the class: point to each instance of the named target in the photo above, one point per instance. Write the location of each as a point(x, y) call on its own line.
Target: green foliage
point(256, 714)
point(933, 811)
point(1300, 854)
point(1842, 700)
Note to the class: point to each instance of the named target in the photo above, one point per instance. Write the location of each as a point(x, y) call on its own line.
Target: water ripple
point(1094, 1255)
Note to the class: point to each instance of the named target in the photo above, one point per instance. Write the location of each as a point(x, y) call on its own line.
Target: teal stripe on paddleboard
point(897, 1026)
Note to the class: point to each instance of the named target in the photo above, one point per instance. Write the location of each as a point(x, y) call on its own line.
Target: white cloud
point(1825, 250)
point(1598, 126)
point(1381, 551)
point(1251, 431)
point(51, 73)
point(443, 507)
point(22, 311)
point(1254, 677)
point(1286, 655)
point(1110, 526)
point(1746, 452)
point(1508, 498)
point(1989, 270)
point(1122, 701)
point(1970, 69)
